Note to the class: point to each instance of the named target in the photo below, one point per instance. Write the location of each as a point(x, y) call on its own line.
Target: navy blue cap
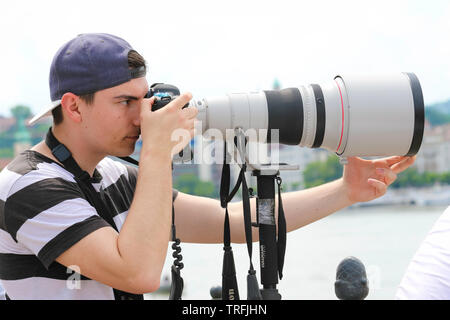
point(89, 63)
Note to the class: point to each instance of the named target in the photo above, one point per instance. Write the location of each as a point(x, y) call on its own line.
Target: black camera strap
point(229, 283)
point(282, 231)
point(84, 181)
point(253, 292)
point(230, 290)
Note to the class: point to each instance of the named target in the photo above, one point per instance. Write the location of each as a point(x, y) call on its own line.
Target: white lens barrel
point(235, 110)
point(352, 115)
point(384, 115)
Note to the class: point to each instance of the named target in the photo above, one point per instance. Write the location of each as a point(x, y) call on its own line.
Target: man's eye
point(125, 102)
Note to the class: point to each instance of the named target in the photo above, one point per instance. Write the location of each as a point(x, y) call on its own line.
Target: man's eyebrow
point(126, 97)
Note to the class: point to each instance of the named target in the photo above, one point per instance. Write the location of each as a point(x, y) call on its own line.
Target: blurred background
point(211, 48)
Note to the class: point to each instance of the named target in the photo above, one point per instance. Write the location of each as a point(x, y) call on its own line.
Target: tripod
point(271, 247)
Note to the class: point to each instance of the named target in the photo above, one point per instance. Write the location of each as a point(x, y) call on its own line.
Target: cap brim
point(47, 111)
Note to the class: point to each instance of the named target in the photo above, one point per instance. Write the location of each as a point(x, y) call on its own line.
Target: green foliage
point(295, 186)
point(6, 153)
point(6, 140)
point(318, 172)
point(20, 111)
point(445, 178)
point(40, 130)
point(36, 131)
point(190, 183)
point(412, 178)
point(438, 113)
point(436, 117)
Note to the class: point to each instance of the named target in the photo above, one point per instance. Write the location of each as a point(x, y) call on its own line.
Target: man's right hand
point(169, 129)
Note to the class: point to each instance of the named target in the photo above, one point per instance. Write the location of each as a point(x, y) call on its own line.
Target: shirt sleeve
point(49, 216)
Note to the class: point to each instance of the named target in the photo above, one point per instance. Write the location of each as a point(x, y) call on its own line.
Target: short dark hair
point(135, 60)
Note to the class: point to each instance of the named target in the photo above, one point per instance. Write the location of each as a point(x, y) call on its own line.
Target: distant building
point(4, 162)
point(6, 123)
point(434, 154)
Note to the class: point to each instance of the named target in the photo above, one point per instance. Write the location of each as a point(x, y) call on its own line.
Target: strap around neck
point(63, 154)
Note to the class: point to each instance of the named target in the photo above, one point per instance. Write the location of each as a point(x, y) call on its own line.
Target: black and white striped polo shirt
point(43, 212)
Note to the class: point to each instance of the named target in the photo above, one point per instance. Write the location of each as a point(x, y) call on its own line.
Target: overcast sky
point(213, 48)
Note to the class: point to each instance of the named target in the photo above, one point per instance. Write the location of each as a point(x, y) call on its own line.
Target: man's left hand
point(365, 180)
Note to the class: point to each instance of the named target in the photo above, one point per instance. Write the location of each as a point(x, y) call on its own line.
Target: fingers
point(394, 162)
point(403, 164)
point(386, 175)
point(380, 187)
point(147, 104)
point(190, 113)
point(389, 161)
point(180, 101)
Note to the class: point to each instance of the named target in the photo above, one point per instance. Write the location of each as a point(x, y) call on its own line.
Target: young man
point(97, 86)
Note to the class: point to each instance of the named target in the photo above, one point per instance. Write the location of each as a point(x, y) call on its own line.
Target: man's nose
point(137, 116)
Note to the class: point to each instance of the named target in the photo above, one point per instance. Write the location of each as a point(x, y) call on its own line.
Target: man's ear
point(70, 105)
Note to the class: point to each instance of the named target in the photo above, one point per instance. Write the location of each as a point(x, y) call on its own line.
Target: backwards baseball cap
point(86, 64)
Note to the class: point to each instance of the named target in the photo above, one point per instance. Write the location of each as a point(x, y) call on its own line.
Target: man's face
point(111, 123)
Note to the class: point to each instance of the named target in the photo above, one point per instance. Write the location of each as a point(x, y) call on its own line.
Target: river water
point(383, 238)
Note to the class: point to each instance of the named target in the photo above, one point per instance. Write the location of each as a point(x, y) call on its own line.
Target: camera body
point(164, 94)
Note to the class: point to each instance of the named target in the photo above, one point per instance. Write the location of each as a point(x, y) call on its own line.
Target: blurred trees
point(37, 131)
point(318, 172)
point(21, 112)
point(191, 184)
